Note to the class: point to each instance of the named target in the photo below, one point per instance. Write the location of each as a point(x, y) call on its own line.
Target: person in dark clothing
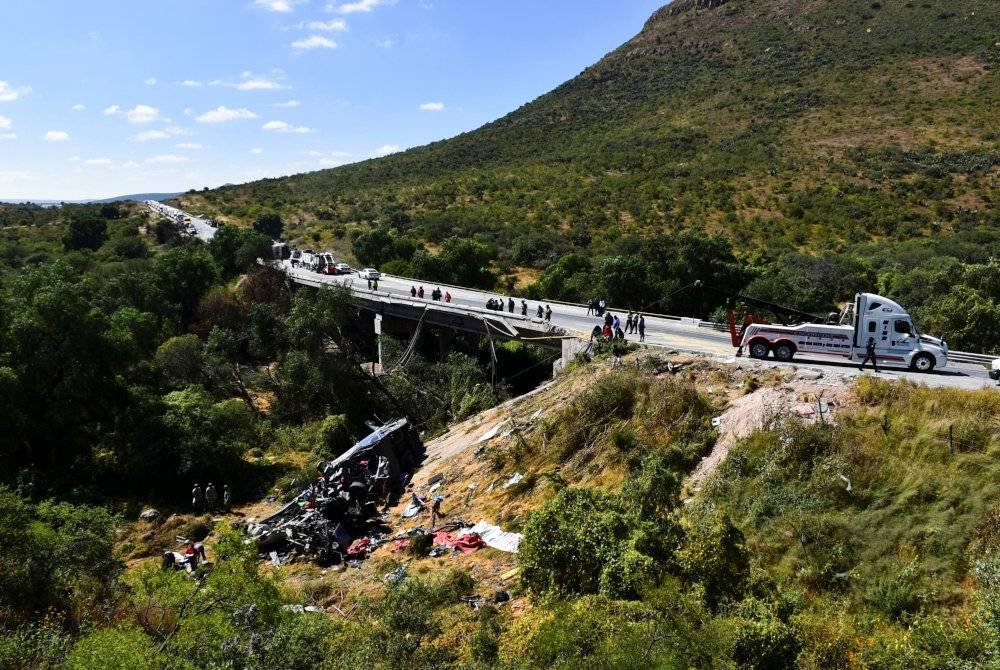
point(420, 292)
point(608, 318)
point(211, 497)
point(197, 498)
point(413, 291)
point(590, 307)
point(510, 305)
point(870, 355)
point(540, 311)
point(629, 320)
point(619, 333)
point(548, 313)
point(524, 307)
point(596, 333)
point(642, 328)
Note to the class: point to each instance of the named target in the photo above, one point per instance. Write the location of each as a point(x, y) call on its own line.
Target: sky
point(100, 98)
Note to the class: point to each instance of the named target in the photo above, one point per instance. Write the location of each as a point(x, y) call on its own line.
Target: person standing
point(447, 296)
point(227, 497)
point(375, 284)
point(524, 307)
point(548, 313)
point(590, 307)
point(642, 328)
point(629, 321)
point(616, 324)
point(197, 498)
point(413, 291)
point(870, 355)
point(211, 497)
point(540, 311)
point(510, 305)
point(420, 292)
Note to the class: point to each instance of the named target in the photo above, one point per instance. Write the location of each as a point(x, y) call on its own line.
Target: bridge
point(569, 329)
point(570, 326)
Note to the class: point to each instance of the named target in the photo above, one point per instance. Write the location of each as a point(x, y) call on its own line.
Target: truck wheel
point(783, 352)
point(923, 363)
point(759, 350)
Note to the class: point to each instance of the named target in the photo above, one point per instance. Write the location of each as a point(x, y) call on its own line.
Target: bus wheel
point(759, 350)
point(783, 352)
point(923, 363)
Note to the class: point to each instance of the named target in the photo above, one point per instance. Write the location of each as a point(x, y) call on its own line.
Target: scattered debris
point(149, 515)
point(495, 537)
point(848, 482)
point(515, 478)
point(338, 512)
point(466, 543)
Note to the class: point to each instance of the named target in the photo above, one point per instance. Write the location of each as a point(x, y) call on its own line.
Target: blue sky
point(101, 98)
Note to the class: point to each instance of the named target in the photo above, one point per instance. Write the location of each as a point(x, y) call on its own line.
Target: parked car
point(369, 273)
point(344, 269)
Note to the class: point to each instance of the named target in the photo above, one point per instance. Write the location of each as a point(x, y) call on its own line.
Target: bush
point(114, 649)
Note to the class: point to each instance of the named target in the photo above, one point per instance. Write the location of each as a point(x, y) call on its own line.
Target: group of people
point(436, 294)
point(208, 500)
point(372, 284)
point(597, 307)
point(188, 560)
point(612, 329)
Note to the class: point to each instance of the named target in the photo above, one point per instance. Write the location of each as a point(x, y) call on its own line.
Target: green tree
point(269, 224)
point(85, 232)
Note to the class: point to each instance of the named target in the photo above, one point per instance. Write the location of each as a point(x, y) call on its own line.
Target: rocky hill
point(791, 122)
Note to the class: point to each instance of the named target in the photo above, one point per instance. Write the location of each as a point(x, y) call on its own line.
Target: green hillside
point(847, 128)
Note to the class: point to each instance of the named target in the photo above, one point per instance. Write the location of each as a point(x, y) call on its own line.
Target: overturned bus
point(342, 503)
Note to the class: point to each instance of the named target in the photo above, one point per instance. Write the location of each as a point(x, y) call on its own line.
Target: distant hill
point(138, 197)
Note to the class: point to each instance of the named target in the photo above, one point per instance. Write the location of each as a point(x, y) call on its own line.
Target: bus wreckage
point(342, 503)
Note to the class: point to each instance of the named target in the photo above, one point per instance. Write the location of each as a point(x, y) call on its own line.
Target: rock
point(149, 514)
point(809, 374)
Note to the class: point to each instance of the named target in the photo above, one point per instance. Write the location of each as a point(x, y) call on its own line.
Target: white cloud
point(10, 93)
point(98, 161)
point(56, 136)
point(113, 110)
point(387, 43)
point(314, 42)
point(191, 83)
point(74, 159)
point(260, 84)
point(256, 151)
point(188, 145)
point(143, 114)
point(283, 6)
point(8, 136)
point(149, 135)
point(5, 123)
point(288, 104)
point(177, 130)
point(223, 114)
point(385, 150)
point(188, 111)
point(78, 107)
point(282, 127)
point(432, 107)
point(332, 26)
point(167, 159)
point(130, 164)
point(361, 6)
point(150, 81)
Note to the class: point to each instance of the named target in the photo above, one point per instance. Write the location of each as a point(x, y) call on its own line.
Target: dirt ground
point(476, 487)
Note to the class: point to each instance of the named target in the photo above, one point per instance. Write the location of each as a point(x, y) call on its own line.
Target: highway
point(202, 229)
point(661, 331)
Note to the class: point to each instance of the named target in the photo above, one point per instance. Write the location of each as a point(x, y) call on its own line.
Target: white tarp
point(494, 537)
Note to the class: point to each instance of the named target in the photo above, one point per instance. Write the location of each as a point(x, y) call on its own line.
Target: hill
point(786, 127)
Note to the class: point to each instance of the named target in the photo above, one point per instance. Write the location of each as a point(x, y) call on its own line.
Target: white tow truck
point(897, 340)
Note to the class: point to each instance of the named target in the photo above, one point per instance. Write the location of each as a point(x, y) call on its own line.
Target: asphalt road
point(661, 332)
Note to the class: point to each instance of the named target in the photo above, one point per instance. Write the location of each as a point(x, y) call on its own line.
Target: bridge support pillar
point(378, 342)
point(571, 346)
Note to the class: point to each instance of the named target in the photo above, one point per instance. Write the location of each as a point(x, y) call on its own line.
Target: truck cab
point(897, 339)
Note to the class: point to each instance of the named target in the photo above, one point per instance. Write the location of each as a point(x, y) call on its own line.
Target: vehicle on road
point(324, 263)
point(897, 340)
point(305, 259)
point(280, 251)
point(344, 269)
point(369, 273)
